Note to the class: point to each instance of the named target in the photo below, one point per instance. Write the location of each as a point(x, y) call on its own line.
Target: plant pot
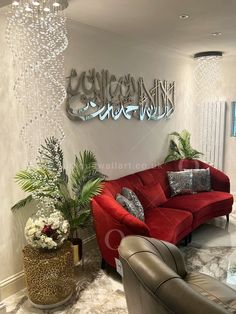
point(49, 275)
point(77, 246)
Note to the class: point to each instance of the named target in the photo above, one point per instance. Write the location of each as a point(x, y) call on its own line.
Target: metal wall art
point(103, 95)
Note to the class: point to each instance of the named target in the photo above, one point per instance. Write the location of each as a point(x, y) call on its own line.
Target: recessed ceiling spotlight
point(216, 34)
point(184, 16)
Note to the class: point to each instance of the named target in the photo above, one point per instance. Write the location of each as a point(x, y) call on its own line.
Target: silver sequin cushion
point(181, 182)
point(201, 180)
point(128, 193)
point(129, 206)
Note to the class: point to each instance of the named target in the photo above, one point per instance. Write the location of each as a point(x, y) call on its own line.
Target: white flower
point(56, 225)
point(48, 232)
point(31, 231)
point(38, 234)
point(39, 223)
point(65, 226)
point(30, 222)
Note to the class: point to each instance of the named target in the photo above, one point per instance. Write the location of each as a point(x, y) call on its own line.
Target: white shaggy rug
point(102, 293)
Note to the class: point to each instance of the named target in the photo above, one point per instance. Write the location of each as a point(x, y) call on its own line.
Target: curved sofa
point(172, 221)
point(156, 280)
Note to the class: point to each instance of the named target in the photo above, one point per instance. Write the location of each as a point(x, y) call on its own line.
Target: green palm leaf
point(39, 179)
point(85, 169)
point(89, 190)
point(49, 180)
point(180, 147)
point(81, 220)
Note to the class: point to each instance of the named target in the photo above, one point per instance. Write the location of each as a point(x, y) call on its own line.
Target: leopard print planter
point(49, 275)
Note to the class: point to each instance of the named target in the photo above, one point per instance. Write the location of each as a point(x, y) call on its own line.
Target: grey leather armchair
point(156, 281)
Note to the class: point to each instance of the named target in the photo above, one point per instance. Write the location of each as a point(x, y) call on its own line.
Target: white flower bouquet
point(47, 232)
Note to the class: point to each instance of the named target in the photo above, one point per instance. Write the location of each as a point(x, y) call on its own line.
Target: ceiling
point(158, 22)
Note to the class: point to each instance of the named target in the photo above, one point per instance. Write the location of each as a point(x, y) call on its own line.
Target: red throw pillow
point(151, 196)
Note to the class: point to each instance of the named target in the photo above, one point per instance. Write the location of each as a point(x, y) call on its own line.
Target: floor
point(212, 251)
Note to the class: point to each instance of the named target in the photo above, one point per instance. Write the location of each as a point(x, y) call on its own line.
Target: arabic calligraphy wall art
point(103, 95)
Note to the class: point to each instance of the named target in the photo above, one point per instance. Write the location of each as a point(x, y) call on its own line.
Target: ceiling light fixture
point(184, 16)
point(216, 34)
point(207, 97)
point(207, 75)
point(30, 32)
point(45, 6)
point(207, 54)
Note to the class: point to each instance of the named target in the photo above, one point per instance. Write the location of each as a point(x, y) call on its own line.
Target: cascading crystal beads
point(37, 36)
point(207, 78)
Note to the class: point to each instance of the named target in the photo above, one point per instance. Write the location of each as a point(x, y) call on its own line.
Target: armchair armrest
point(219, 180)
point(181, 299)
point(154, 272)
point(139, 247)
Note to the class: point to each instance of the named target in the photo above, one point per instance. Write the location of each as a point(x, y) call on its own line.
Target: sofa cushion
point(119, 214)
point(130, 206)
point(168, 224)
point(130, 195)
point(219, 181)
point(201, 180)
point(151, 196)
point(113, 187)
point(181, 182)
point(203, 206)
point(154, 175)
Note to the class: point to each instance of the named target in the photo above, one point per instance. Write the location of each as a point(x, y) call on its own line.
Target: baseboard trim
point(12, 285)
point(15, 283)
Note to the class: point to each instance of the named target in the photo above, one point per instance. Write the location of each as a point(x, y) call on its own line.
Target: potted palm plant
point(180, 147)
point(49, 184)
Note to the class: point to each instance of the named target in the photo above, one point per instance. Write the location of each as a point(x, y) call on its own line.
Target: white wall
point(11, 158)
point(125, 142)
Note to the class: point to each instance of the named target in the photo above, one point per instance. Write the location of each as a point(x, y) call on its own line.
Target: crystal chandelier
point(207, 76)
point(210, 109)
point(37, 36)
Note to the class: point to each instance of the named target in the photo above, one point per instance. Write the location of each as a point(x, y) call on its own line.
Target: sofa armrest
point(219, 180)
point(118, 213)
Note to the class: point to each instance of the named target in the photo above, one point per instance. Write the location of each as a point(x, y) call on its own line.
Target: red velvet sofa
point(172, 221)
